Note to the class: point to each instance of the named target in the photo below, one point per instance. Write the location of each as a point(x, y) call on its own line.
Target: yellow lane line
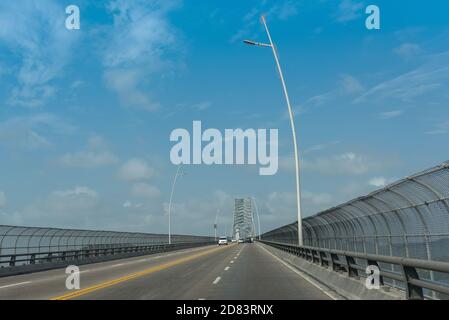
point(113, 282)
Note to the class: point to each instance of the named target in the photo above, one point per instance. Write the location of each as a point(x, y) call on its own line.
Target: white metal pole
point(292, 124)
point(215, 224)
point(170, 203)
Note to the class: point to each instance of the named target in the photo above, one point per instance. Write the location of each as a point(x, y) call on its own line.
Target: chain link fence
point(409, 218)
point(24, 245)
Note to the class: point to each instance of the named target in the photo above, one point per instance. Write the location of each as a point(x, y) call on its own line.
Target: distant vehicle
point(223, 240)
point(234, 240)
point(240, 241)
point(248, 240)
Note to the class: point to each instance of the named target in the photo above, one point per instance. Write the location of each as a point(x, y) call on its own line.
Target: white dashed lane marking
point(15, 284)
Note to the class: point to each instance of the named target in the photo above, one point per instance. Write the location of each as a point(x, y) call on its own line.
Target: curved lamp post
point(170, 203)
point(292, 124)
point(215, 224)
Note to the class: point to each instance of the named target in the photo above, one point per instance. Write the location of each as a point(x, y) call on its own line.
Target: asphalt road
point(237, 271)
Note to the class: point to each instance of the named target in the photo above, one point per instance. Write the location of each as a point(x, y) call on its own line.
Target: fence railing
point(23, 246)
point(408, 218)
point(14, 260)
point(354, 265)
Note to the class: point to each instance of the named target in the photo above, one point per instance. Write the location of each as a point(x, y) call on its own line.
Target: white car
point(240, 241)
point(223, 240)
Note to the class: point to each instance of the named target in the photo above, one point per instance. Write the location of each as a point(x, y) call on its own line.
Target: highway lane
point(48, 284)
point(244, 271)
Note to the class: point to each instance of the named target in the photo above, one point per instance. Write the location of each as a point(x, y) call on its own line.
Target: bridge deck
point(244, 271)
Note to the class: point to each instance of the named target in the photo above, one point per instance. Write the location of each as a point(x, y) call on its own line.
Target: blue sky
point(85, 115)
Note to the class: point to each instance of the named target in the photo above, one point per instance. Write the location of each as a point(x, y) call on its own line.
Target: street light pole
point(170, 203)
point(292, 124)
point(215, 224)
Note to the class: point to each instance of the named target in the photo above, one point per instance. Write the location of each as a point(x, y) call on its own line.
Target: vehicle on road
point(240, 241)
point(223, 240)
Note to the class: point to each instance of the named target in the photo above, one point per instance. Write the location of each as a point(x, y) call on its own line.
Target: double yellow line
point(145, 272)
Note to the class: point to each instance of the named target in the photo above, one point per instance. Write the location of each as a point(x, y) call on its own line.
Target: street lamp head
point(254, 43)
point(251, 43)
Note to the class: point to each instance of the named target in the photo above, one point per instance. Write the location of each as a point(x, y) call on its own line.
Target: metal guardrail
point(408, 218)
point(346, 261)
point(77, 255)
point(22, 246)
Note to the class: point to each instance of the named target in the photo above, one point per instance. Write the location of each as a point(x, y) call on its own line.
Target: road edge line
point(327, 291)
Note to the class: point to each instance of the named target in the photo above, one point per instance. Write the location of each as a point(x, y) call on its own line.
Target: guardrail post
point(412, 292)
point(323, 261)
point(314, 258)
point(309, 255)
point(50, 257)
point(333, 261)
point(33, 259)
point(63, 256)
point(352, 272)
point(12, 261)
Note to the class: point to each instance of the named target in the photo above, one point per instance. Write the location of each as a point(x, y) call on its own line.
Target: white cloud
point(283, 11)
point(126, 83)
point(280, 207)
point(349, 163)
point(131, 53)
point(129, 204)
point(28, 131)
point(279, 11)
point(34, 33)
point(88, 159)
point(95, 156)
point(351, 84)
point(76, 192)
point(439, 128)
point(347, 85)
point(144, 190)
point(135, 170)
point(202, 106)
point(378, 181)
point(391, 114)
point(431, 79)
point(2, 199)
point(320, 147)
point(407, 50)
point(71, 208)
point(199, 214)
point(319, 199)
point(349, 10)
